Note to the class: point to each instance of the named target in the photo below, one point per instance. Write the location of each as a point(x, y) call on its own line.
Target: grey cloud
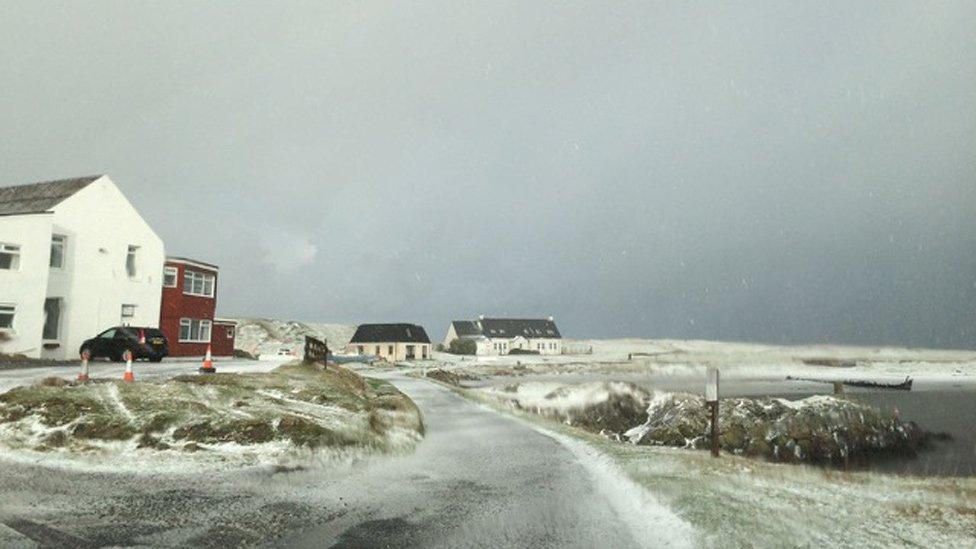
point(785, 173)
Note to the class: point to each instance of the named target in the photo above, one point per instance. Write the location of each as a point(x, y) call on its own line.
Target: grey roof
point(40, 197)
point(390, 333)
point(507, 328)
point(466, 328)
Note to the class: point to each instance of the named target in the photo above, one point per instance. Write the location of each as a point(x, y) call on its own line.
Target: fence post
point(711, 399)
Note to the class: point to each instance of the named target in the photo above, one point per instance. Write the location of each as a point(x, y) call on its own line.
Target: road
point(479, 479)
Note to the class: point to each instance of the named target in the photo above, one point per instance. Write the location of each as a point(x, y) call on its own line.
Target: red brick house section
point(189, 303)
point(224, 332)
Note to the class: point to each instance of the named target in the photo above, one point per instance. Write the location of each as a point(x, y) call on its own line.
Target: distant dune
point(267, 335)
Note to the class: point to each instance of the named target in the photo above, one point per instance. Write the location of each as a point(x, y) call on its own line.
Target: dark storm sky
point(781, 172)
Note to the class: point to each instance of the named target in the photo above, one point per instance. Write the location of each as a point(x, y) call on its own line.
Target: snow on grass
point(738, 502)
point(670, 363)
point(821, 429)
point(562, 397)
point(265, 336)
point(295, 412)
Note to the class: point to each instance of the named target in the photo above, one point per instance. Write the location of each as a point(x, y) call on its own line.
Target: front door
point(410, 353)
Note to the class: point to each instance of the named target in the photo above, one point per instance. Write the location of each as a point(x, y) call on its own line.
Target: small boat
point(903, 386)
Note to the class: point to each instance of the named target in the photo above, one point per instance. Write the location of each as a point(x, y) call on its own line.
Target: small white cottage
point(390, 342)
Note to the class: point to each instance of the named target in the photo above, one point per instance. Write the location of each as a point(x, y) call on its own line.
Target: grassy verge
point(295, 407)
point(741, 502)
point(16, 362)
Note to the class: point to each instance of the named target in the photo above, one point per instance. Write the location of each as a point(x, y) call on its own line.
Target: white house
point(390, 342)
point(75, 259)
point(502, 336)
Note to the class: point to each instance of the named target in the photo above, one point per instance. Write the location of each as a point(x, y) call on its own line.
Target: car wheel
point(155, 358)
point(119, 356)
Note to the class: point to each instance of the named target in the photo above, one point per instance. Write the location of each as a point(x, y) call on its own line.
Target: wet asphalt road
point(479, 479)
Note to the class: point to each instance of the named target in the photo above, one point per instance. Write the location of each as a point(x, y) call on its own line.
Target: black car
point(148, 343)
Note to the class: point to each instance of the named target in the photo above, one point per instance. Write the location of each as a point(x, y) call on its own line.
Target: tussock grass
point(295, 406)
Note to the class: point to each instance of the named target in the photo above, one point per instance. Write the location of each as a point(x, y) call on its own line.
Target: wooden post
point(838, 388)
point(711, 399)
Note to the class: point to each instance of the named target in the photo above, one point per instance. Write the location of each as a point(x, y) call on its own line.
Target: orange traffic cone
point(85, 357)
point(128, 375)
point(208, 367)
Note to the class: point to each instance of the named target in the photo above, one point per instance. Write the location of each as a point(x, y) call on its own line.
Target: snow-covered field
point(735, 501)
point(264, 336)
point(673, 359)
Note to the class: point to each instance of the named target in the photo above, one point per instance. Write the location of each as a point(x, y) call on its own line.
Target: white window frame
point(11, 309)
point(176, 277)
point(230, 332)
point(196, 277)
point(59, 240)
point(13, 250)
point(200, 325)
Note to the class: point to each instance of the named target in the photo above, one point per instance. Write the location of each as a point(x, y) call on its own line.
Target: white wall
point(25, 288)
point(101, 225)
point(513, 343)
point(399, 350)
point(451, 336)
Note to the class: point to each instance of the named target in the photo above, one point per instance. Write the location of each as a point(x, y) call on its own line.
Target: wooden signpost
point(711, 400)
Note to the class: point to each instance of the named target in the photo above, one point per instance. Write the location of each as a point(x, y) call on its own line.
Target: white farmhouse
point(75, 258)
point(502, 336)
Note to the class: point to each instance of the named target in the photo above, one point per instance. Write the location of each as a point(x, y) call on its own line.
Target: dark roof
point(530, 328)
point(466, 328)
point(383, 333)
point(40, 197)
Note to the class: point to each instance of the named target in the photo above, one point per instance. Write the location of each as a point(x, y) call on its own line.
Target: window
point(9, 257)
point(131, 261)
point(377, 353)
point(52, 318)
point(7, 316)
point(359, 349)
point(58, 246)
point(200, 284)
point(389, 350)
point(169, 276)
point(195, 331)
point(230, 332)
point(128, 313)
